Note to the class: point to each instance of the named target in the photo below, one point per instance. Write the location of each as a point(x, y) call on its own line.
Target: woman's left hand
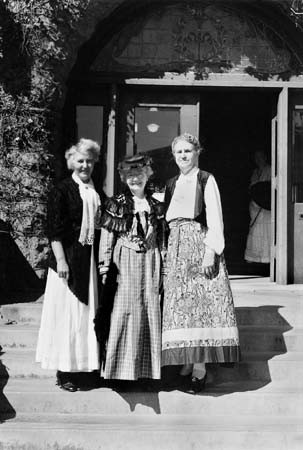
point(209, 271)
point(208, 264)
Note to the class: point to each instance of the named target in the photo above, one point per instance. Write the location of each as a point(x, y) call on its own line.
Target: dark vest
point(200, 208)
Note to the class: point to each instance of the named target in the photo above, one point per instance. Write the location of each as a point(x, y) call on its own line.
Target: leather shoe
point(184, 382)
point(69, 386)
point(197, 384)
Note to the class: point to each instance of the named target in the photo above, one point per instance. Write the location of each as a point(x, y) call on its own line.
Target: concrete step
point(281, 308)
point(252, 338)
point(36, 396)
point(267, 338)
point(20, 363)
point(18, 336)
point(131, 432)
point(285, 317)
point(21, 312)
point(248, 283)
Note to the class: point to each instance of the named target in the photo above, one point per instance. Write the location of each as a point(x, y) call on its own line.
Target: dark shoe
point(65, 380)
point(86, 381)
point(198, 384)
point(184, 382)
point(69, 386)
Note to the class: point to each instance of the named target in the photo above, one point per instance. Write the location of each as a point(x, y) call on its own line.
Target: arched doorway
point(149, 79)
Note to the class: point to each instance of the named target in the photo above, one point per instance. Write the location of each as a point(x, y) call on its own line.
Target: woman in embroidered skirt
point(67, 341)
point(132, 239)
point(199, 323)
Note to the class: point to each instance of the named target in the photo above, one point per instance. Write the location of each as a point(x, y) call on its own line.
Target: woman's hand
point(103, 277)
point(103, 270)
point(164, 271)
point(62, 268)
point(208, 264)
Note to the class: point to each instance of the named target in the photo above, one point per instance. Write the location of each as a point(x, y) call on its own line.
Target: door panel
point(86, 116)
point(89, 120)
point(297, 187)
point(150, 120)
point(279, 270)
point(274, 124)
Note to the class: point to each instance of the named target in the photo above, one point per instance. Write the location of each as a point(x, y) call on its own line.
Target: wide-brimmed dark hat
point(135, 162)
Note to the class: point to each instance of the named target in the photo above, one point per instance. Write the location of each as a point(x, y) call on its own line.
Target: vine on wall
point(33, 43)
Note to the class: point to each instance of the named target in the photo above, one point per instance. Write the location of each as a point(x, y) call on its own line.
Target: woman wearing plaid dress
point(199, 323)
point(132, 237)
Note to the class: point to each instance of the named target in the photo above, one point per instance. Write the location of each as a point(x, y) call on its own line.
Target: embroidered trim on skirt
point(67, 340)
point(199, 321)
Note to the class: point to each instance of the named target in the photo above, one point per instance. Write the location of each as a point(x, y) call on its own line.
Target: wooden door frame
point(282, 189)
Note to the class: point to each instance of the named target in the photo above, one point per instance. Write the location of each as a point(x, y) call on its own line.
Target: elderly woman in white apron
point(199, 323)
point(67, 341)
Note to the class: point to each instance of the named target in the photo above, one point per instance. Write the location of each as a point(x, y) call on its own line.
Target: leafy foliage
point(33, 43)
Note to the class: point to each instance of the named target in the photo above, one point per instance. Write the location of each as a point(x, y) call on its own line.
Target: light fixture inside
point(153, 127)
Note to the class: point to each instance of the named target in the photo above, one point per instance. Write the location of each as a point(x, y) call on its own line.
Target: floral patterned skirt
point(199, 322)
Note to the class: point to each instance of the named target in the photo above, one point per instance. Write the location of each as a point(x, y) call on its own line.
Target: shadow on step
point(143, 392)
point(261, 339)
point(6, 410)
point(261, 332)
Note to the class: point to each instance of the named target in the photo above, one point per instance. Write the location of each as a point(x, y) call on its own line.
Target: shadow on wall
point(6, 410)
point(18, 281)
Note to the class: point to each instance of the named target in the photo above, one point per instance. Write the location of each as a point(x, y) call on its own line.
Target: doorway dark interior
point(234, 124)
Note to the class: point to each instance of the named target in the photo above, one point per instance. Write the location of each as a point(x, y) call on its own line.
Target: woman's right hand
point(62, 269)
point(103, 270)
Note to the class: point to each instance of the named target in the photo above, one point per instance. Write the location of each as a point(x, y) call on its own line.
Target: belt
point(179, 221)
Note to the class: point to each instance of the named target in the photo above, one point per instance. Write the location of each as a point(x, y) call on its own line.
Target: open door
point(280, 191)
point(296, 180)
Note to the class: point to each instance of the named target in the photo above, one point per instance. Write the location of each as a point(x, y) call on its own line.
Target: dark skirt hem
point(192, 355)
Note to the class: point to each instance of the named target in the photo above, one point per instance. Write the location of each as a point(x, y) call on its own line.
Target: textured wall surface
point(187, 38)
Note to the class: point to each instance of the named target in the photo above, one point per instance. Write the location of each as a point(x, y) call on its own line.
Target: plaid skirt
point(199, 322)
point(134, 343)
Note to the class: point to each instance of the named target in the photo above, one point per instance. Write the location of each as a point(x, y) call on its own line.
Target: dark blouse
point(64, 224)
point(118, 216)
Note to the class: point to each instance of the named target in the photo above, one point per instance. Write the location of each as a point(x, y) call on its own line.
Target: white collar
point(191, 174)
point(81, 183)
